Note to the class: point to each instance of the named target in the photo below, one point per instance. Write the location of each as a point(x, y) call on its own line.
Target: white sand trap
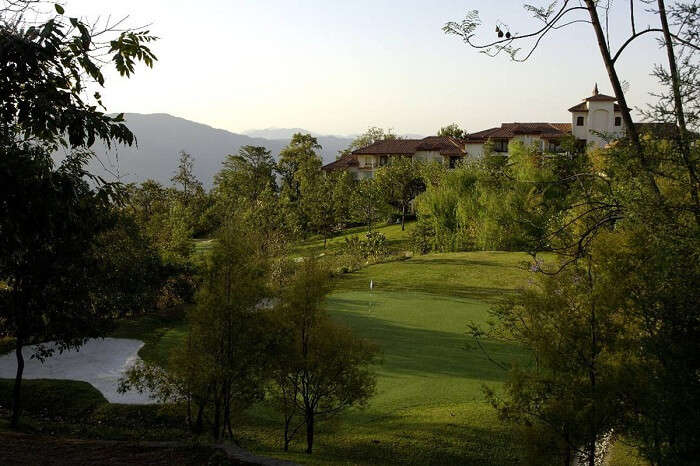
point(100, 362)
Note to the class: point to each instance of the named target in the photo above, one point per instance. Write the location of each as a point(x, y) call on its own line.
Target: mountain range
point(160, 138)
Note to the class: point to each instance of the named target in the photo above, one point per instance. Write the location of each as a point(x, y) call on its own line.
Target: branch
point(638, 34)
point(467, 27)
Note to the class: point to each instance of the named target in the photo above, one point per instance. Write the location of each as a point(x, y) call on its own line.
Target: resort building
point(594, 120)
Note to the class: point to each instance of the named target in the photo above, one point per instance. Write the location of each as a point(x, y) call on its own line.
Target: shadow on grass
point(423, 353)
point(486, 294)
point(460, 437)
point(431, 260)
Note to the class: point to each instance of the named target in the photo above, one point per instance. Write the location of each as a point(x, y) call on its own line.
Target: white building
point(594, 121)
point(597, 119)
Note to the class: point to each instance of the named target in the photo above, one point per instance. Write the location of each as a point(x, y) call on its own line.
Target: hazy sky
point(337, 67)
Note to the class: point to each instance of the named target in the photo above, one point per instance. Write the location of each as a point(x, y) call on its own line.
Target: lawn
point(429, 407)
point(396, 239)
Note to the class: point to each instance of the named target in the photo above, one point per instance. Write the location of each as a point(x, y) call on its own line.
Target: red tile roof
point(601, 98)
point(442, 144)
point(582, 107)
point(510, 130)
point(342, 163)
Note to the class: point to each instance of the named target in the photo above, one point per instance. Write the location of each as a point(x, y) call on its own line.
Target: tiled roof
point(510, 130)
point(342, 163)
point(582, 107)
point(442, 144)
point(601, 98)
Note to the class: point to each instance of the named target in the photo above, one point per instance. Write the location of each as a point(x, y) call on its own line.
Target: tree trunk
point(619, 94)
point(216, 428)
point(287, 423)
point(309, 431)
point(612, 74)
point(683, 137)
point(16, 392)
point(200, 418)
point(403, 216)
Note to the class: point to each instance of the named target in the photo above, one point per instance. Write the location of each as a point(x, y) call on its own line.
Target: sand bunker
point(100, 362)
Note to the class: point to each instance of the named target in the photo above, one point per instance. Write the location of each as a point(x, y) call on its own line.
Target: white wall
point(600, 118)
point(428, 156)
point(475, 149)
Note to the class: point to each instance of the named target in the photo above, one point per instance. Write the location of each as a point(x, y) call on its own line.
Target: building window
point(554, 146)
point(579, 121)
point(618, 121)
point(500, 145)
point(454, 161)
point(383, 160)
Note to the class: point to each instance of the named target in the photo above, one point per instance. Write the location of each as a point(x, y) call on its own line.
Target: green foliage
point(299, 155)
point(368, 204)
point(221, 367)
point(244, 178)
point(452, 130)
point(323, 368)
point(369, 137)
point(400, 183)
point(131, 267)
point(573, 325)
point(372, 247)
point(45, 69)
point(496, 202)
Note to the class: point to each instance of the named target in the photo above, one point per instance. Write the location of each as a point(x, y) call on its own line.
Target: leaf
point(59, 9)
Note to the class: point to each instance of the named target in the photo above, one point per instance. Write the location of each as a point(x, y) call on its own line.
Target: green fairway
point(429, 407)
point(396, 240)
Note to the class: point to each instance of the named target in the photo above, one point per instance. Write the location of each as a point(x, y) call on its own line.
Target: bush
point(373, 247)
point(421, 239)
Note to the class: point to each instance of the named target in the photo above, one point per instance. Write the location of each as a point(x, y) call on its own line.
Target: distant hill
point(277, 133)
point(161, 136)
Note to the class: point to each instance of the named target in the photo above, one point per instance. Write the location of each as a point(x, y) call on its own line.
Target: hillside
point(161, 136)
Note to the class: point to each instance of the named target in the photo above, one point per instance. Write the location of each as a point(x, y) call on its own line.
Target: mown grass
point(396, 240)
point(429, 407)
point(160, 331)
point(54, 398)
point(72, 408)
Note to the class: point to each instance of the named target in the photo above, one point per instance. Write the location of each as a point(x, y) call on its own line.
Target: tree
point(400, 182)
point(367, 202)
point(575, 333)
point(323, 368)
point(185, 177)
point(555, 16)
point(51, 216)
point(45, 63)
point(316, 201)
point(225, 362)
point(369, 137)
point(50, 220)
point(299, 153)
point(247, 174)
point(453, 130)
point(343, 185)
point(301, 148)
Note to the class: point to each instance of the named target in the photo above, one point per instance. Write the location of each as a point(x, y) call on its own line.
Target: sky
point(341, 66)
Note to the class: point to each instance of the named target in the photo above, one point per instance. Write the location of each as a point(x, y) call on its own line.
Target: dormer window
point(618, 121)
point(579, 121)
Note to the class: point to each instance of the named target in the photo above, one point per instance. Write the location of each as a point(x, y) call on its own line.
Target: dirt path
point(23, 449)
